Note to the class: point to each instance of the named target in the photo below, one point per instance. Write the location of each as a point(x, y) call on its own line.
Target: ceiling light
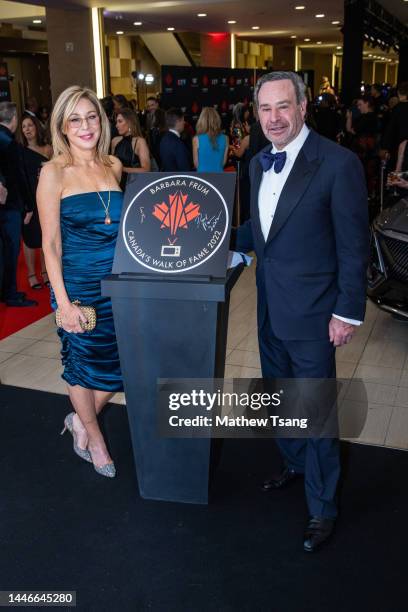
point(306, 39)
point(319, 16)
point(335, 22)
point(201, 14)
point(293, 36)
point(137, 23)
point(370, 55)
point(119, 32)
point(319, 42)
point(232, 21)
point(170, 29)
point(37, 21)
point(338, 47)
point(299, 8)
point(255, 27)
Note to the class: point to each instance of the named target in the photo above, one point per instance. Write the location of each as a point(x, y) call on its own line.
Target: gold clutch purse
point(88, 311)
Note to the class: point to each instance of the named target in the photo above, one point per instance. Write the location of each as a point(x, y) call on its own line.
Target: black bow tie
point(277, 160)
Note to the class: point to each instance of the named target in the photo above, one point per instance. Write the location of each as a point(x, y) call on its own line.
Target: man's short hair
point(8, 110)
point(298, 84)
point(172, 116)
point(403, 88)
point(368, 100)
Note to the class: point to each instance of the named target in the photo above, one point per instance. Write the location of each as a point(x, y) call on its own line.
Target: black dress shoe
point(21, 302)
point(317, 532)
point(280, 481)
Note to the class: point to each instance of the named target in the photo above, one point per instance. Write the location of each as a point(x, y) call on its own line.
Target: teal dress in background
point(90, 359)
point(210, 159)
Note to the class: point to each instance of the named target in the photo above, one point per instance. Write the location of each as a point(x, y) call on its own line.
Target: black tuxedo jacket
point(174, 154)
point(314, 261)
point(12, 169)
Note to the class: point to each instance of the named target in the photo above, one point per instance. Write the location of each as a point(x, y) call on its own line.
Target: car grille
point(398, 262)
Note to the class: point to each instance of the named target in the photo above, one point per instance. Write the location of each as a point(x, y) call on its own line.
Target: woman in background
point(80, 204)
point(210, 146)
point(119, 103)
point(240, 125)
point(36, 153)
point(130, 146)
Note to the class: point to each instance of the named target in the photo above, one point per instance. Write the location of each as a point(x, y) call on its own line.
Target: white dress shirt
point(271, 188)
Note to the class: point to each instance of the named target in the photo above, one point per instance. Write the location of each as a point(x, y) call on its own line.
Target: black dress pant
point(317, 458)
point(10, 227)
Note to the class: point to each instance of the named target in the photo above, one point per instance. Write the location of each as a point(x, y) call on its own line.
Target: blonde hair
point(209, 122)
point(64, 107)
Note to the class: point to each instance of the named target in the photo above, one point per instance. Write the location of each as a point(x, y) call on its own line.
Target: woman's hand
point(71, 318)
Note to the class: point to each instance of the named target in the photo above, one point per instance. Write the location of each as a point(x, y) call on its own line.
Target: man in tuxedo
point(174, 154)
point(15, 208)
point(309, 229)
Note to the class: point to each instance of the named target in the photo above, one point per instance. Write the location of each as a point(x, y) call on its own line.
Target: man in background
point(14, 211)
point(397, 127)
point(174, 154)
point(152, 105)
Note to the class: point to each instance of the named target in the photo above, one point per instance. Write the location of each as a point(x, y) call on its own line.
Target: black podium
point(169, 329)
point(174, 325)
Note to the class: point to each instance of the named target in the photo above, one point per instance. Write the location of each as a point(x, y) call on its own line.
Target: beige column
point(284, 57)
point(379, 75)
point(368, 71)
point(71, 50)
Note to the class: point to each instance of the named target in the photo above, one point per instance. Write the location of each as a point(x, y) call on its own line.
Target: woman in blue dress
point(79, 203)
point(210, 146)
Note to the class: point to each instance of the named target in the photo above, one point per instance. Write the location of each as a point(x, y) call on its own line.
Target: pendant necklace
point(108, 219)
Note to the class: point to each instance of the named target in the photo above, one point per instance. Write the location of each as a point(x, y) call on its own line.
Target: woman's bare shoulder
point(116, 167)
point(115, 161)
point(53, 169)
point(138, 140)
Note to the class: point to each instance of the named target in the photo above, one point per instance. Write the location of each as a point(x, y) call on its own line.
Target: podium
point(170, 326)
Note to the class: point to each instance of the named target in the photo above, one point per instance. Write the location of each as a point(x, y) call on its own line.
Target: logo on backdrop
point(175, 224)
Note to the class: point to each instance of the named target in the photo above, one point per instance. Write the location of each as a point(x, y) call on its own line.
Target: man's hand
point(340, 332)
point(3, 194)
point(27, 218)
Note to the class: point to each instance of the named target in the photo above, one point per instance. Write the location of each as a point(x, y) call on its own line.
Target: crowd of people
point(375, 127)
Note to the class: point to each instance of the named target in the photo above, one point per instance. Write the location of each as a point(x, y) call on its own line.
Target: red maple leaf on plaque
point(176, 213)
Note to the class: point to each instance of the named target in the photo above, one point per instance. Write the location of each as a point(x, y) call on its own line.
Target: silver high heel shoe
point(108, 469)
point(68, 424)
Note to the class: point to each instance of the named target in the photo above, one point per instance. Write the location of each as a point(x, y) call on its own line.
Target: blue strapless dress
point(91, 359)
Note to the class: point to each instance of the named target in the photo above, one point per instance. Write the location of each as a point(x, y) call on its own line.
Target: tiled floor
point(377, 356)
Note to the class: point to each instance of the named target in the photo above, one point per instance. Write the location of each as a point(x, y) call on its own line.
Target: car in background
point(388, 265)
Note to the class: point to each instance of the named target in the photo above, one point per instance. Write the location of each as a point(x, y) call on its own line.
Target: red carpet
point(14, 319)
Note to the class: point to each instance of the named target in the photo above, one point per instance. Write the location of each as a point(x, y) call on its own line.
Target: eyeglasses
point(75, 123)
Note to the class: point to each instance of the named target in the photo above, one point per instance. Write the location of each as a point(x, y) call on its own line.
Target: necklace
point(108, 219)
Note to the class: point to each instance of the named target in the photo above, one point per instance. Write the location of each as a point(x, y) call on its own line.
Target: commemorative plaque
point(175, 224)
point(170, 292)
